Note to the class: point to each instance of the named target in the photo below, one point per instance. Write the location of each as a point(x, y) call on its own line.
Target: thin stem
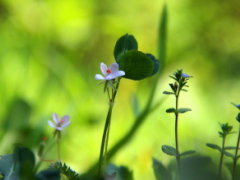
point(58, 149)
point(105, 154)
point(108, 94)
point(106, 130)
point(235, 159)
point(221, 160)
point(103, 140)
point(176, 134)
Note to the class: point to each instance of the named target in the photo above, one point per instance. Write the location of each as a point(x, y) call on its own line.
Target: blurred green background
point(50, 51)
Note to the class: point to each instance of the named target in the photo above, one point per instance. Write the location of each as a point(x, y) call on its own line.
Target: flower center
point(61, 121)
point(108, 71)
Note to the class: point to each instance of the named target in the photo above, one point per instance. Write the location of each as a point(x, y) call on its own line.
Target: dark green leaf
point(136, 65)
point(8, 168)
point(125, 173)
point(49, 174)
point(160, 172)
point(166, 92)
point(124, 44)
point(187, 153)
point(156, 64)
point(171, 110)
point(237, 169)
point(238, 117)
point(183, 110)
point(184, 90)
point(169, 150)
point(25, 161)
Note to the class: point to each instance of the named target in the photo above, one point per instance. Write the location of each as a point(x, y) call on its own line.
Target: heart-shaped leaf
point(136, 65)
point(124, 44)
point(169, 150)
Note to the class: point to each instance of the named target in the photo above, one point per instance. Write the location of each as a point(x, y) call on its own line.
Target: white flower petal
point(65, 119)
point(114, 67)
point(99, 77)
point(104, 68)
point(51, 124)
point(55, 118)
point(115, 75)
point(65, 124)
point(59, 128)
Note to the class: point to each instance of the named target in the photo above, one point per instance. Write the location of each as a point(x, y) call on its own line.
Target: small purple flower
point(185, 75)
point(110, 73)
point(60, 124)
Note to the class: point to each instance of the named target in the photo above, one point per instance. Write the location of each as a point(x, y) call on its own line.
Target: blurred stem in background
point(236, 157)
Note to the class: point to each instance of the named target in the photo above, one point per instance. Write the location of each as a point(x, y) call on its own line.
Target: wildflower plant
point(131, 64)
point(181, 80)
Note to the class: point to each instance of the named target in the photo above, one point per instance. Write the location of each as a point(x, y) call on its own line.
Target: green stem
point(105, 137)
point(58, 149)
point(235, 159)
point(221, 160)
point(176, 134)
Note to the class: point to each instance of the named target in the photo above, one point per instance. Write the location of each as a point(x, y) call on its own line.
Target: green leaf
point(124, 44)
point(49, 174)
point(230, 148)
point(66, 170)
point(169, 150)
point(183, 110)
point(136, 65)
point(184, 90)
point(8, 168)
point(160, 172)
point(24, 160)
point(156, 64)
point(166, 92)
point(187, 153)
point(173, 78)
point(171, 110)
point(213, 146)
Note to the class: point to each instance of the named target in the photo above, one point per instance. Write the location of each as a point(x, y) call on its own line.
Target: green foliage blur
point(51, 50)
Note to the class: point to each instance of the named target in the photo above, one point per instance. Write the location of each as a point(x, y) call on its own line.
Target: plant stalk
point(105, 137)
point(221, 160)
point(235, 159)
point(176, 134)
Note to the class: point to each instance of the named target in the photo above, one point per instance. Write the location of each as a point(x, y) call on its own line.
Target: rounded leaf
point(136, 65)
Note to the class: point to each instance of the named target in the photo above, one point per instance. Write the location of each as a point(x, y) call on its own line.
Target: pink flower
point(110, 73)
point(59, 124)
